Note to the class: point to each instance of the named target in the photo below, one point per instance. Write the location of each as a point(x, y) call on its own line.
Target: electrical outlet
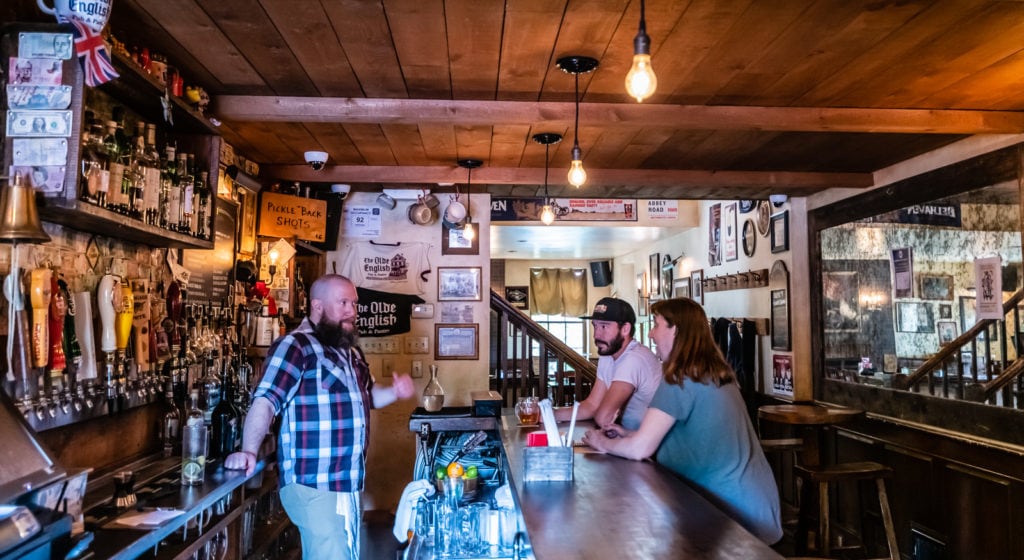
point(417, 369)
point(370, 346)
point(415, 345)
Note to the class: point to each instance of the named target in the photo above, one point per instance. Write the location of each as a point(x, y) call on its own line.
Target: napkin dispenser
point(547, 463)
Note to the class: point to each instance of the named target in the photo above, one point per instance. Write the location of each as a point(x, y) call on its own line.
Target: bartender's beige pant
point(328, 522)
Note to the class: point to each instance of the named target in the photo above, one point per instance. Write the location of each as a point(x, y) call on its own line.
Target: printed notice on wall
point(362, 221)
point(663, 209)
point(989, 279)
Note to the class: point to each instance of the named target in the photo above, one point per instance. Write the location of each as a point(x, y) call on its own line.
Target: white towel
point(405, 516)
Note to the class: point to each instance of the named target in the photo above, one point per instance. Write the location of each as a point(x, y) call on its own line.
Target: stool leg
point(823, 519)
point(890, 530)
point(803, 520)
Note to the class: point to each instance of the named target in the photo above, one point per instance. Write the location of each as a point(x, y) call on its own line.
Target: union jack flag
point(92, 53)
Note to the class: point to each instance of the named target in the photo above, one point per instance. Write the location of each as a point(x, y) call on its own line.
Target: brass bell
point(19, 219)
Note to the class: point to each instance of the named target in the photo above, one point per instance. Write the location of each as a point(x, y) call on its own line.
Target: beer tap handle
point(39, 290)
point(87, 339)
point(58, 309)
point(125, 317)
point(105, 303)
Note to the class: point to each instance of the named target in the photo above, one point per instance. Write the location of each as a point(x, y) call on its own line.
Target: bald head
point(327, 284)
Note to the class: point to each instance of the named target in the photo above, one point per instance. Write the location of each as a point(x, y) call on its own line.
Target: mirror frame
point(991, 422)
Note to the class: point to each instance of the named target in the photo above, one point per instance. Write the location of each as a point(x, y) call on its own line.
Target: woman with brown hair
point(697, 424)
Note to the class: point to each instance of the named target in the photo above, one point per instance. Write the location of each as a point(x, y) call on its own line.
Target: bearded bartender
point(317, 379)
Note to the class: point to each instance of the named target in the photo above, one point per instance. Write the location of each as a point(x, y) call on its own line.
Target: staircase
point(527, 360)
point(983, 364)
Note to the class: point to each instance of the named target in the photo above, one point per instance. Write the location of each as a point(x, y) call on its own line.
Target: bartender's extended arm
point(257, 424)
point(402, 387)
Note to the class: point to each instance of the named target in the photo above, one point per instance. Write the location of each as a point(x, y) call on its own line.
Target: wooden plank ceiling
point(754, 97)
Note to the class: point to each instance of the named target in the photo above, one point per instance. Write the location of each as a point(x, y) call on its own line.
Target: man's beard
point(334, 334)
point(612, 346)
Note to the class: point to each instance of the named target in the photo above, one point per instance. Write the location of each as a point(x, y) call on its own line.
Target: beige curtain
point(559, 291)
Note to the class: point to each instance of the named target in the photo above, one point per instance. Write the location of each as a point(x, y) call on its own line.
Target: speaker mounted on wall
point(601, 273)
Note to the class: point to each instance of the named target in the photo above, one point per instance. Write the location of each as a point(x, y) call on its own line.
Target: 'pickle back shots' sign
point(283, 215)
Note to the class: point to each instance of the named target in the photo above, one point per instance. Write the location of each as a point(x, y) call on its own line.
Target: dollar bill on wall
point(44, 45)
point(38, 97)
point(35, 71)
point(40, 151)
point(47, 179)
point(39, 123)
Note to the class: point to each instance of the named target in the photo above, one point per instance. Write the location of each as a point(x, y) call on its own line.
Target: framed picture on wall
point(914, 317)
point(697, 285)
point(936, 286)
point(730, 247)
point(947, 332)
point(681, 288)
point(780, 232)
point(458, 284)
point(454, 243)
point(780, 319)
point(654, 275)
point(840, 291)
point(456, 341)
point(518, 296)
point(968, 313)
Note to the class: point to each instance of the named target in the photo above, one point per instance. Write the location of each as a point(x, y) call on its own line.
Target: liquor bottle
point(95, 171)
point(301, 296)
point(184, 200)
point(194, 444)
point(203, 227)
point(114, 200)
point(125, 160)
point(137, 173)
point(170, 422)
point(210, 388)
point(188, 196)
point(151, 170)
point(224, 420)
point(168, 191)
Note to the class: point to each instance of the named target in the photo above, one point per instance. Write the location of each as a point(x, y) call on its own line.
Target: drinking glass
point(528, 410)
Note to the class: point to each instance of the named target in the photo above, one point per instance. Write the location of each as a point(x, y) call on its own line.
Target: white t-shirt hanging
point(398, 268)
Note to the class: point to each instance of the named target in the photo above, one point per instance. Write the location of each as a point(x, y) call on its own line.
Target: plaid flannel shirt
point(323, 397)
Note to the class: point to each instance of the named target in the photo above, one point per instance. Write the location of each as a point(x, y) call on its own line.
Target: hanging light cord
point(643, 21)
point(576, 133)
point(547, 150)
point(469, 191)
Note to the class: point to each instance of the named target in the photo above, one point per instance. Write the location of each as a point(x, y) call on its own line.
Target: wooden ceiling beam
point(251, 108)
point(780, 181)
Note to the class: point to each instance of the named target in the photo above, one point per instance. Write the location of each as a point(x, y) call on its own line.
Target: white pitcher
point(92, 13)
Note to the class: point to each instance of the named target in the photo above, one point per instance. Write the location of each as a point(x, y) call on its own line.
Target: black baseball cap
point(612, 309)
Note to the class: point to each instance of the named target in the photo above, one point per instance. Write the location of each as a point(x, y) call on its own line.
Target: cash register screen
point(24, 464)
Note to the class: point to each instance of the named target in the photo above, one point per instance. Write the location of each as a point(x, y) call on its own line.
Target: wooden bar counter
point(616, 508)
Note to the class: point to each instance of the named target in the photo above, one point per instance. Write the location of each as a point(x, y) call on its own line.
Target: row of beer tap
point(55, 374)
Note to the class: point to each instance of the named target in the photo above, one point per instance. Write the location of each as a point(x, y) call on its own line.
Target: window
point(573, 331)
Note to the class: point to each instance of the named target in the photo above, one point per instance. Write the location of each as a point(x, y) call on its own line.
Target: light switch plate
point(416, 345)
point(422, 310)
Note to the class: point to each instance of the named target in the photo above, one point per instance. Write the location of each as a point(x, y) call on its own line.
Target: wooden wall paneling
point(915, 492)
point(980, 508)
point(105, 442)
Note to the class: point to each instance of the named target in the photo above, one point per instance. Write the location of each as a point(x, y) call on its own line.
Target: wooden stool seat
point(781, 444)
point(849, 472)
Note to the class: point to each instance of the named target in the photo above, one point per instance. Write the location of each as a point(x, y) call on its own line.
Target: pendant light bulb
point(640, 80)
point(469, 232)
point(577, 175)
point(547, 215)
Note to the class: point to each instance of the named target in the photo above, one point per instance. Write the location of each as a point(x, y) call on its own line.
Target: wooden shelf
point(143, 94)
point(87, 217)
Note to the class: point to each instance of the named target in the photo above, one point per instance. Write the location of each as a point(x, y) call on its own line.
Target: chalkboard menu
point(210, 270)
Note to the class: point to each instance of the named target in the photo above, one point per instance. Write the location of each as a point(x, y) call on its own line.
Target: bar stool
point(852, 472)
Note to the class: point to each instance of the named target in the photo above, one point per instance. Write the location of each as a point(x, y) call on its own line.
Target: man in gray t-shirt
point(628, 373)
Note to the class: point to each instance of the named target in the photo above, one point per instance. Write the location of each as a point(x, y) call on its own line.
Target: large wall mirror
point(903, 274)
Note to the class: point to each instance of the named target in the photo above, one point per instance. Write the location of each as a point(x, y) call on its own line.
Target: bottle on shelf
point(301, 296)
point(210, 388)
point(170, 421)
point(225, 422)
point(194, 444)
point(184, 194)
point(114, 199)
point(203, 226)
point(169, 200)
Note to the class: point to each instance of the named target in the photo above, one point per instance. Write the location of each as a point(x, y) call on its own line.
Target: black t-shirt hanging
point(383, 313)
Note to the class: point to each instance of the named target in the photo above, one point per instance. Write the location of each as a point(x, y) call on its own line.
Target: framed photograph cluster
point(779, 229)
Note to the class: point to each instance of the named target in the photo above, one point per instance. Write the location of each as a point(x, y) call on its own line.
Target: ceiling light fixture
point(577, 65)
point(547, 214)
point(469, 232)
point(640, 80)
